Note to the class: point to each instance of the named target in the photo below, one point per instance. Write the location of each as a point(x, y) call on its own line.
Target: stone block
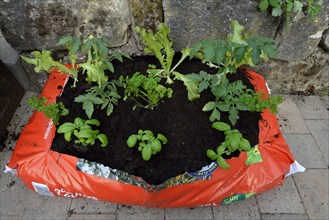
point(75, 216)
point(284, 199)
point(246, 209)
point(191, 21)
point(298, 40)
point(313, 188)
point(305, 150)
point(43, 23)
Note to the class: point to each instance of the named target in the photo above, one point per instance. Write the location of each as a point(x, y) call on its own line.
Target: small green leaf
point(215, 115)
point(85, 134)
point(103, 139)
point(222, 163)
point(211, 154)
point(263, 5)
point(289, 6)
point(234, 139)
point(156, 146)
point(298, 6)
point(162, 138)
point(132, 140)
point(147, 153)
point(234, 116)
point(93, 122)
point(147, 137)
point(245, 144)
point(274, 3)
point(209, 106)
point(277, 11)
point(68, 136)
point(221, 126)
point(66, 127)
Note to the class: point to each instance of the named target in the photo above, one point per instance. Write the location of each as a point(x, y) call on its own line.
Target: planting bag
point(50, 173)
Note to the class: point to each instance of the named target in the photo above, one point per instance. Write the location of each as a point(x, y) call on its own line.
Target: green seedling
point(287, 7)
point(51, 110)
point(148, 144)
point(83, 132)
point(107, 97)
point(233, 141)
point(144, 91)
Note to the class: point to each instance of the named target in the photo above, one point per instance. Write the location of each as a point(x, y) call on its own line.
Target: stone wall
point(302, 65)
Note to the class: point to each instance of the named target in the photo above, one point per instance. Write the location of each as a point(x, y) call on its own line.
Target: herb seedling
point(234, 97)
point(51, 110)
point(148, 144)
point(107, 98)
point(145, 91)
point(83, 131)
point(233, 141)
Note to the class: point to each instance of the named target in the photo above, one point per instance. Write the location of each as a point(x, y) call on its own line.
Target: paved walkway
point(305, 124)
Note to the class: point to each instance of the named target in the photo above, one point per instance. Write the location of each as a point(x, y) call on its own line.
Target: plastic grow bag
point(51, 173)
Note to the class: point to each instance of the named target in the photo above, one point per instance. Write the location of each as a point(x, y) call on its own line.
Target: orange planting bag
point(51, 173)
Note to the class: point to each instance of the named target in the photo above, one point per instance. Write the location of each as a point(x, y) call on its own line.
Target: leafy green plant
point(51, 110)
point(234, 97)
point(160, 45)
point(99, 59)
point(83, 131)
point(106, 97)
point(238, 49)
point(286, 7)
point(233, 141)
point(148, 144)
point(145, 91)
point(44, 62)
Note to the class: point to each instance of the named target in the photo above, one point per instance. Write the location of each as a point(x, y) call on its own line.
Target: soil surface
point(185, 125)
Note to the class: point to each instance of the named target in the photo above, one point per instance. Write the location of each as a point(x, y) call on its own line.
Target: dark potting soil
point(183, 122)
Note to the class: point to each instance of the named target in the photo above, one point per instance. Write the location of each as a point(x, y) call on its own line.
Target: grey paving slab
point(44, 207)
point(135, 212)
point(18, 199)
point(313, 107)
point(8, 217)
point(246, 209)
point(290, 118)
point(284, 217)
point(305, 150)
point(189, 213)
point(313, 188)
point(284, 199)
point(89, 206)
point(76, 216)
point(320, 131)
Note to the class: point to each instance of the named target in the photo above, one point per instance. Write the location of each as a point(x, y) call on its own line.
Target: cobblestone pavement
point(305, 124)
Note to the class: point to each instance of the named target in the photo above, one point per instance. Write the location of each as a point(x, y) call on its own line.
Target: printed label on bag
point(236, 197)
point(205, 171)
point(41, 189)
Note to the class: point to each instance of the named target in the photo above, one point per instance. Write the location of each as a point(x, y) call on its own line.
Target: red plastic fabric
point(51, 173)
